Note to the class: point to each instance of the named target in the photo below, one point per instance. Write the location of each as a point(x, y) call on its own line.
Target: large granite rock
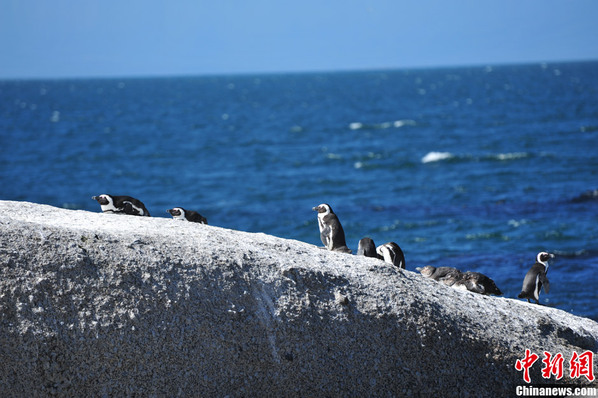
point(96, 304)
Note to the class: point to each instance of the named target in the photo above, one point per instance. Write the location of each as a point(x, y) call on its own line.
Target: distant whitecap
point(382, 125)
point(406, 122)
point(436, 156)
point(511, 156)
point(55, 117)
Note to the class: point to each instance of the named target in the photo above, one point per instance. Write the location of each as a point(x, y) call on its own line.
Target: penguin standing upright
point(366, 247)
point(189, 215)
point(391, 253)
point(121, 205)
point(536, 278)
point(331, 230)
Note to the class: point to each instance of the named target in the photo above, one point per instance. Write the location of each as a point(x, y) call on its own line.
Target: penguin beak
point(315, 208)
point(551, 255)
point(94, 197)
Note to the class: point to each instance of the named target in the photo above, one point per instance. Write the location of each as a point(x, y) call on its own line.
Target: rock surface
point(96, 304)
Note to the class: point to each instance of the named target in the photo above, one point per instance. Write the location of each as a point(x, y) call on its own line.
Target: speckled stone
point(98, 304)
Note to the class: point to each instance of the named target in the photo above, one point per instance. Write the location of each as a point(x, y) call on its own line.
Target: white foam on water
point(511, 156)
point(436, 156)
point(401, 123)
point(383, 125)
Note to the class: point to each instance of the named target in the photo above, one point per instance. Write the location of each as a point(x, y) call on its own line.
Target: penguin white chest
point(321, 224)
point(386, 254)
point(109, 207)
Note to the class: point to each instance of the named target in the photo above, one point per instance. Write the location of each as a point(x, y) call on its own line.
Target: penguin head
point(103, 199)
point(366, 247)
point(323, 209)
point(543, 257)
point(426, 271)
point(177, 212)
point(367, 243)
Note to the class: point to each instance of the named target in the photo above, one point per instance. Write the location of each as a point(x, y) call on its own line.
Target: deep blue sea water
point(478, 168)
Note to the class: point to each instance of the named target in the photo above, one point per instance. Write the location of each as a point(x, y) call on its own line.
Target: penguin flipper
point(545, 283)
point(128, 208)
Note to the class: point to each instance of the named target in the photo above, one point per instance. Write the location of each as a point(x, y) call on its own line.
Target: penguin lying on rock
point(189, 215)
point(437, 273)
point(536, 279)
point(472, 281)
point(121, 205)
point(477, 283)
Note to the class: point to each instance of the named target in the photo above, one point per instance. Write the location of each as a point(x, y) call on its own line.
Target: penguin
point(179, 213)
point(426, 271)
point(121, 205)
point(367, 248)
point(331, 230)
point(451, 276)
point(391, 253)
point(536, 278)
point(477, 283)
point(437, 273)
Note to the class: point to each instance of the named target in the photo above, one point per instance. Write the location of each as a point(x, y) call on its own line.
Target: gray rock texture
point(97, 304)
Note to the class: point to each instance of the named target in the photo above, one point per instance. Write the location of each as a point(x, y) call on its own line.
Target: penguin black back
point(367, 248)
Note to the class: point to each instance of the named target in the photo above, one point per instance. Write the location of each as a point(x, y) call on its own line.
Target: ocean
point(479, 168)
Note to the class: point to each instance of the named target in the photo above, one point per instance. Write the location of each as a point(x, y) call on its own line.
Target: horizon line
point(292, 71)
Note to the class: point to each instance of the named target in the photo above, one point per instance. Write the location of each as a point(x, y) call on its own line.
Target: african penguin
point(331, 230)
point(391, 253)
point(121, 205)
point(536, 278)
point(181, 214)
point(477, 283)
point(426, 271)
point(437, 273)
point(451, 277)
point(472, 281)
point(367, 248)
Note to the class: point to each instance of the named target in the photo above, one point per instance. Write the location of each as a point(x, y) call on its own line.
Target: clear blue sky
point(92, 38)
